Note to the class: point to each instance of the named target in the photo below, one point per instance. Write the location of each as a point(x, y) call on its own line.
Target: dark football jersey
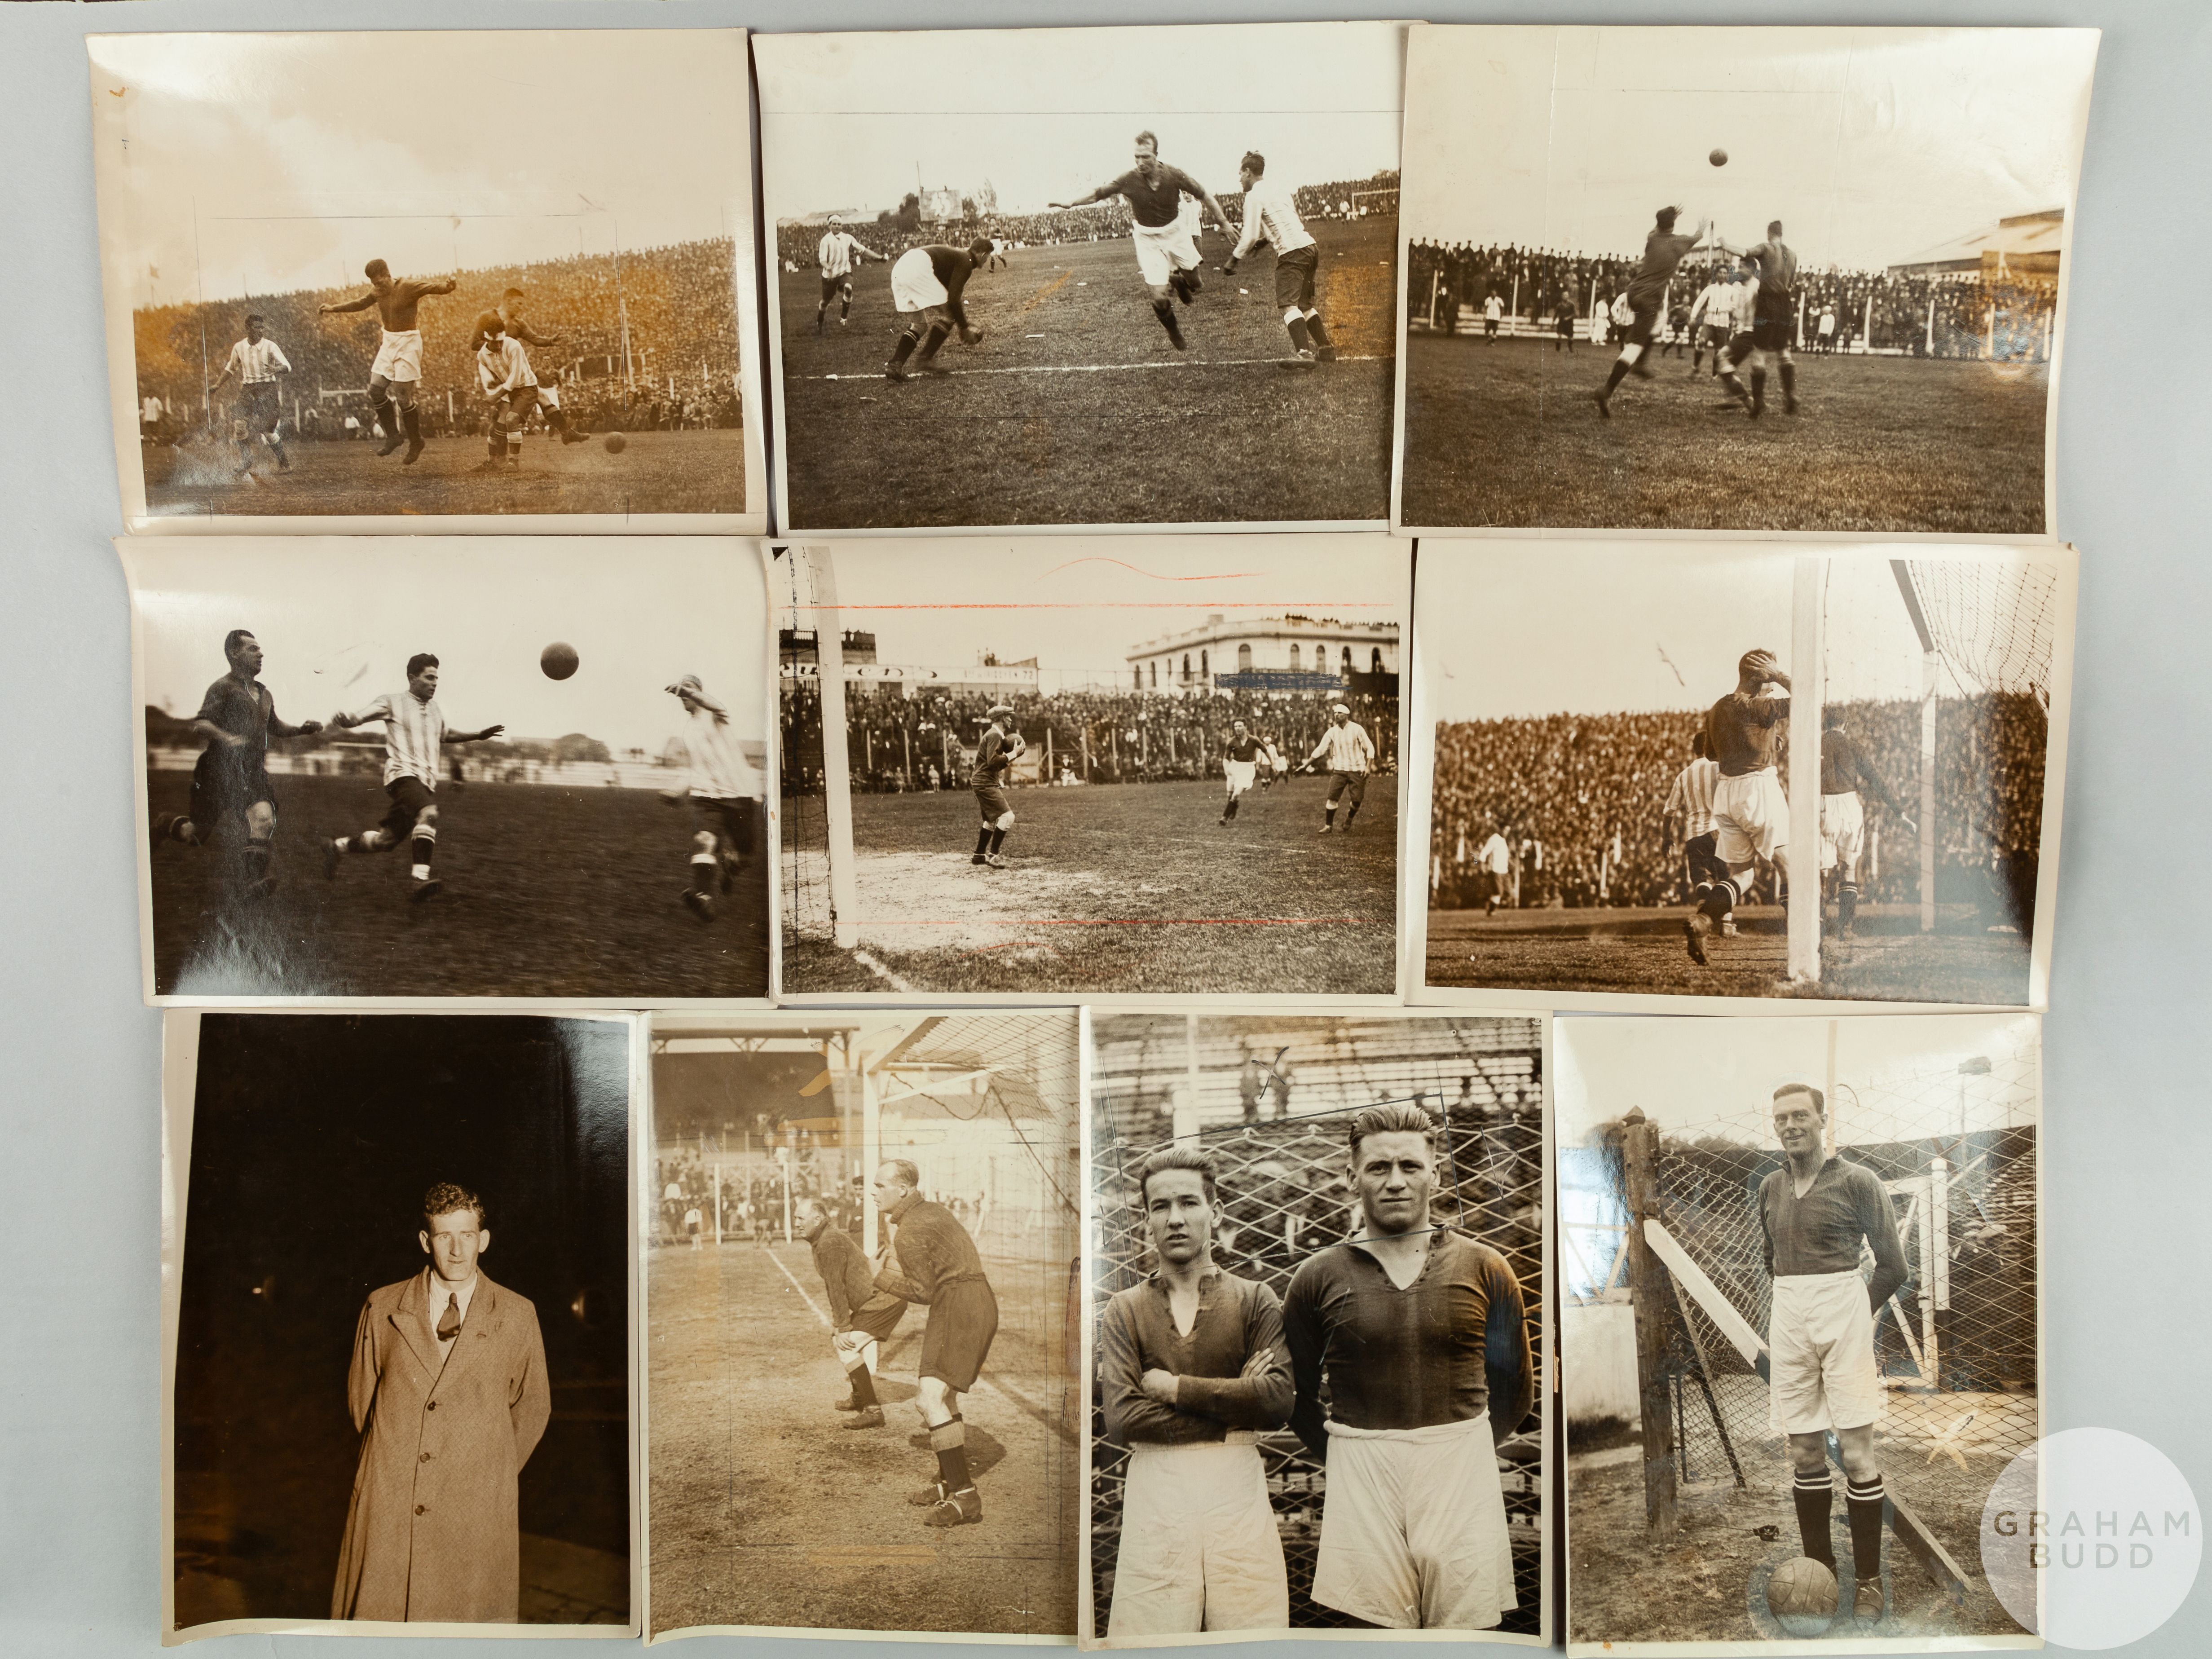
point(1160, 204)
point(1245, 749)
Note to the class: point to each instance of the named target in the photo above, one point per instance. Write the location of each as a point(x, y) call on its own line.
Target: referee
point(1350, 753)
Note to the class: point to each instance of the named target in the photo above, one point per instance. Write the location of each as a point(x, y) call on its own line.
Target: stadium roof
point(2029, 240)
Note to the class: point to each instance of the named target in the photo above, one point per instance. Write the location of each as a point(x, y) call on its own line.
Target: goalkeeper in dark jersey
point(1647, 297)
point(1001, 746)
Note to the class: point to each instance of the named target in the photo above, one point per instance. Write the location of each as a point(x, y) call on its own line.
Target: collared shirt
point(438, 1294)
point(835, 254)
point(1270, 214)
point(1346, 747)
point(243, 708)
point(502, 364)
point(932, 1248)
point(1231, 1369)
point(846, 1276)
point(1741, 731)
point(1821, 1232)
point(718, 770)
point(1448, 1346)
point(1156, 206)
point(413, 730)
point(256, 361)
point(1691, 797)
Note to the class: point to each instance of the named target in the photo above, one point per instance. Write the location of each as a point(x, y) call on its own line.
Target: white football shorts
point(915, 286)
point(399, 357)
point(1412, 1530)
point(1843, 832)
point(1238, 775)
point(1162, 249)
point(1821, 1364)
point(1199, 1545)
point(1751, 816)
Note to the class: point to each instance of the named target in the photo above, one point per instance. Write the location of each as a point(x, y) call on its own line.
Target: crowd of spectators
point(895, 743)
point(680, 303)
point(1579, 800)
point(1951, 315)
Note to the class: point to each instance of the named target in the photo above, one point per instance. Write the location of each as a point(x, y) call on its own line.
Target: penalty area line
point(1099, 369)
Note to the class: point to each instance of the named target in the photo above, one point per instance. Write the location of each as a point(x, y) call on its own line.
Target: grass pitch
point(1642, 951)
point(765, 1511)
point(1122, 889)
point(1076, 409)
point(548, 892)
point(657, 472)
point(1506, 435)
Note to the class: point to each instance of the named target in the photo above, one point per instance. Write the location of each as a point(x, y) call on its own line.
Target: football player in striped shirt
point(510, 385)
point(837, 253)
point(1350, 753)
point(721, 787)
point(414, 730)
point(1689, 813)
point(1270, 216)
point(548, 397)
point(1167, 257)
point(256, 361)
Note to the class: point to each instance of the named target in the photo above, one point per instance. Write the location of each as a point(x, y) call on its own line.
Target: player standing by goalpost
point(1751, 817)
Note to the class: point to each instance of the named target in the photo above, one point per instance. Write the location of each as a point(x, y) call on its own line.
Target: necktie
point(449, 1323)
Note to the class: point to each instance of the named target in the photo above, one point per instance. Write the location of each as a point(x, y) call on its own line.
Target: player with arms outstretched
point(1270, 216)
point(415, 729)
point(396, 373)
point(928, 288)
point(258, 360)
point(1167, 257)
point(548, 397)
point(837, 252)
point(999, 749)
point(721, 787)
point(238, 716)
point(1751, 816)
point(1646, 294)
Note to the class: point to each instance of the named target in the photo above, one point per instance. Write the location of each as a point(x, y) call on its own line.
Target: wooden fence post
point(1648, 1292)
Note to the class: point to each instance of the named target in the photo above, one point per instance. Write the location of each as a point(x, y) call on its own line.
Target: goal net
point(804, 850)
point(1272, 1099)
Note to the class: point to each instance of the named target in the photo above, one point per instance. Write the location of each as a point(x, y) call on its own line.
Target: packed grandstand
point(647, 341)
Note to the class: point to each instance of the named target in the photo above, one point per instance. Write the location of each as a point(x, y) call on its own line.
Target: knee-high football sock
point(1863, 1500)
point(706, 875)
point(496, 443)
point(1847, 905)
point(1815, 1498)
point(1788, 381)
point(902, 350)
point(863, 1386)
point(1164, 310)
point(949, 1441)
point(1319, 330)
point(256, 860)
point(998, 839)
point(1620, 368)
point(983, 841)
point(423, 845)
point(937, 333)
point(1229, 810)
point(1758, 388)
point(1300, 339)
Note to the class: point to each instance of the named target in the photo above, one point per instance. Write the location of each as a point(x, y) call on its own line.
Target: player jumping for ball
point(396, 373)
point(1242, 756)
point(1647, 295)
point(837, 254)
point(1350, 753)
point(1751, 816)
point(1774, 310)
point(1167, 257)
point(928, 284)
point(1270, 216)
point(860, 1316)
point(721, 787)
point(1846, 772)
point(1192, 1369)
point(1421, 1338)
point(238, 716)
point(258, 360)
point(999, 749)
point(414, 730)
point(1816, 1214)
point(548, 397)
point(937, 1265)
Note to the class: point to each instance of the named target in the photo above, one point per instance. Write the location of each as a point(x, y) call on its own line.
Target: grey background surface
point(2125, 1243)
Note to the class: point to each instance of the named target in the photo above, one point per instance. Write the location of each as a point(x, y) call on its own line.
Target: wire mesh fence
point(1272, 1099)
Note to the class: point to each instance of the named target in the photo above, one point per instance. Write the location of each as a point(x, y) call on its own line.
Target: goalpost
point(813, 578)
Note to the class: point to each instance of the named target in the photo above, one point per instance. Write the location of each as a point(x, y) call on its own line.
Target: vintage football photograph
point(1056, 769)
point(354, 280)
point(377, 1422)
point(861, 1235)
point(426, 767)
point(1798, 1326)
point(1736, 279)
point(1735, 773)
point(1317, 1331)
point(1060, 277)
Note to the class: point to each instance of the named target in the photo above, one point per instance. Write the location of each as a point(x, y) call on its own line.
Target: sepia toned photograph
point(1317, 1328)
point(1799, 1327)
point(1805, 280)
point(418, 767)
point(376, 1421)
point(1743, 775)
point(861, 1237)
point(1090, 768)
point(355, 280)
point(1066, 278)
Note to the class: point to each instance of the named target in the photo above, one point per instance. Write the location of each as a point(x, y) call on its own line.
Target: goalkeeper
point(1001, 746)
point(926, 284)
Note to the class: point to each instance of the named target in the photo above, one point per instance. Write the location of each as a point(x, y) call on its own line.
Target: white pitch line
point(801, 1289)
point(1096, 369)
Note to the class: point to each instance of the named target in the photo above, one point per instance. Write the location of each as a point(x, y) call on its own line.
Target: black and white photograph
point(862, 1235)
point(424, 767)
point(1317, 1332)
point(1066, 277)
point(1798, 1326)
point(356, 280)
point(1737, 777)
point(376, 1420)
point(1095, 768)
point(1758, 280)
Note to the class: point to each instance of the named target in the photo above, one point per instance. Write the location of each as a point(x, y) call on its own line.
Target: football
point(616, 443)
point(558, 660)
point(1719, 158)
point(1802, 1589)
